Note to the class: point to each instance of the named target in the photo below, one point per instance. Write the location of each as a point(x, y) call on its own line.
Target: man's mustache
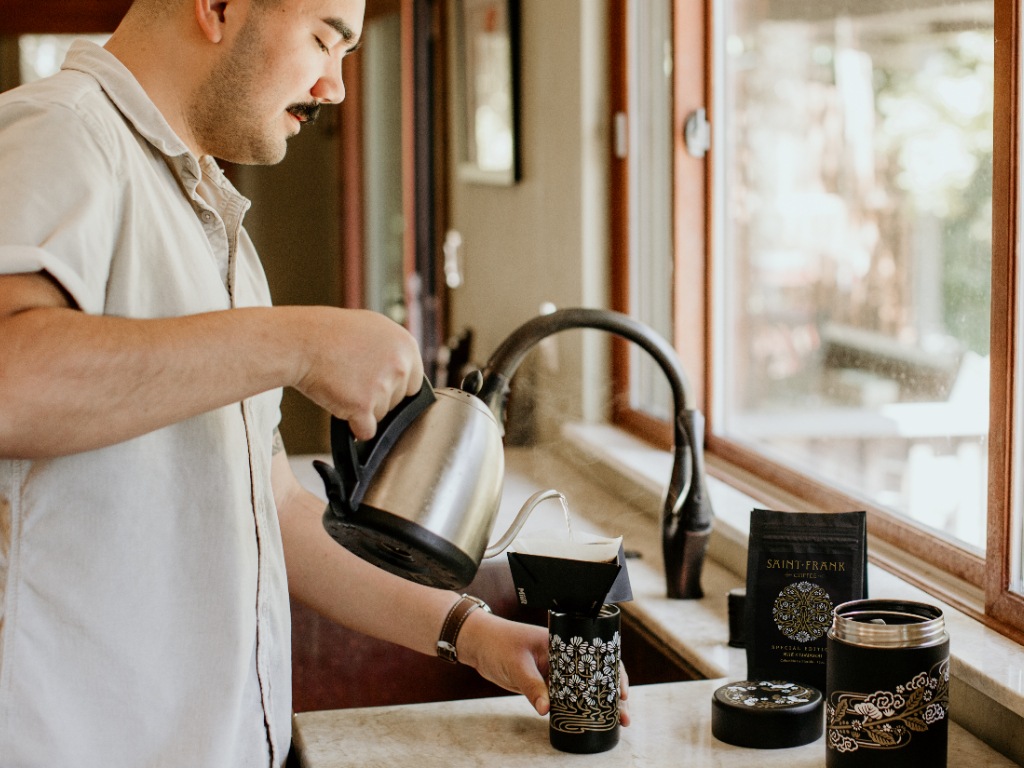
point(307, 113)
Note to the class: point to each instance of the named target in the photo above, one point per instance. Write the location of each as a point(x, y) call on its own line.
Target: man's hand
point(358, 365)
point(515, 656)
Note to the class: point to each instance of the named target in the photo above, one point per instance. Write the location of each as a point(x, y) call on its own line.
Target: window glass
point(40, 56)
point(382, 153)
point(854, 246)
point(650, 194)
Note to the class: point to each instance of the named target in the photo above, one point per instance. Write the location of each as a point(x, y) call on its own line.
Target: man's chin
point(266, 154)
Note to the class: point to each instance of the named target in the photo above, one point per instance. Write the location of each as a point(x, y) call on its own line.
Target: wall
point(545, 239)
point(293, 222)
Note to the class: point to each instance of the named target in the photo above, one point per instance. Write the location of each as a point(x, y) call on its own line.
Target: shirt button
point(206, 216)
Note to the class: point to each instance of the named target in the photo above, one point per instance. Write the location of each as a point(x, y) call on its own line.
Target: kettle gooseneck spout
point(686, 520)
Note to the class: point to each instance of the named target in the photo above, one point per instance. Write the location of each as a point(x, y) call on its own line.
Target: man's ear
point(212, 16)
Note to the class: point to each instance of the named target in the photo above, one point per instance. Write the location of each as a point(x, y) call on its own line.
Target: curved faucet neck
point(507, 357)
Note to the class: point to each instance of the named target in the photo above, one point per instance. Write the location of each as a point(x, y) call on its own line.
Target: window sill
point(987, 668)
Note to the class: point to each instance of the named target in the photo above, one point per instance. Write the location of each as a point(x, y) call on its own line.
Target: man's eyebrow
point(340, 27)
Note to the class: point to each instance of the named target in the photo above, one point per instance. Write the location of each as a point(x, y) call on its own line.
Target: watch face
point(479, 602)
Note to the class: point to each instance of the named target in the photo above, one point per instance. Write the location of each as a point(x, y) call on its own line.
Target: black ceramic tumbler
point(584, 656)
point(887, 700)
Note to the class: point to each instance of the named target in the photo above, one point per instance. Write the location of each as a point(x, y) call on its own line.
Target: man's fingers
point(416, 378)
point(538, 697)
point(624, 719)
point(623, 695)
point(363, 427)
point(413, 386)
point(367, 424)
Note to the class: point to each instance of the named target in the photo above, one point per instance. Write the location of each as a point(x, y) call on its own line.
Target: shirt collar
point(124, 90)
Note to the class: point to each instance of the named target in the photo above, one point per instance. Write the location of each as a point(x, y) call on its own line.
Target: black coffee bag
point(800, 566)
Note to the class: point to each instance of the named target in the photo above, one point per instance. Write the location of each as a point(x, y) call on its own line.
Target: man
point(146, 518)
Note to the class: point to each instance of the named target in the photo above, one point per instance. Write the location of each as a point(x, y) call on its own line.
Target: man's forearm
point(332, 581)
point(73, 382)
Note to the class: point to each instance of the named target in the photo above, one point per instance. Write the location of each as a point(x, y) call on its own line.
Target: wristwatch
point(453, 623)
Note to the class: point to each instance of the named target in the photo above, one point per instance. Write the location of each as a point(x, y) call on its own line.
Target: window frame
point(1000, 603)
point(742, 466)
point(691, 187)
point(58, 17)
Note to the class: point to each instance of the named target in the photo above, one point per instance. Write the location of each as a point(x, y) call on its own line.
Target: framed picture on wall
point(486, 69)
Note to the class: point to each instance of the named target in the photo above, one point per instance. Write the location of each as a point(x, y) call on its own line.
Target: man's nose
point(330, 88)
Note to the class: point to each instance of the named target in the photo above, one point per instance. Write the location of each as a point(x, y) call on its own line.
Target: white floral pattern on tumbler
point(584, 655)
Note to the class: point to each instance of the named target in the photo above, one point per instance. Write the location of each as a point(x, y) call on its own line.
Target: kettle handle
point(357, 461)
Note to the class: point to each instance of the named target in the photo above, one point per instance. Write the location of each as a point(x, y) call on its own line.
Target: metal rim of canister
point(867, 623)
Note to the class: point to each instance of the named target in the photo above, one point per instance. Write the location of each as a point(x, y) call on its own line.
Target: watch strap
point(457, 616)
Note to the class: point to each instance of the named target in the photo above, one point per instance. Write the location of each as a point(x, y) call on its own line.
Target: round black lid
point(767, 714)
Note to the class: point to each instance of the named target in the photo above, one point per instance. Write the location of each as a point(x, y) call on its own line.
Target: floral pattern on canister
point(584, 683)
point(803, 612)
point(887, 719)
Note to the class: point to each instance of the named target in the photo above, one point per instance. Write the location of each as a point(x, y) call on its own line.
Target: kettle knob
point(473, 382)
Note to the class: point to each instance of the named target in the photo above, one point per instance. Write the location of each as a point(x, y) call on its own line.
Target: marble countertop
point(671, 721)
point(696, 630)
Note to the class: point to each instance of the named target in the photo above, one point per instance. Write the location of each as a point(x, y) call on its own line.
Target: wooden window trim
point(730, 460)
point(618, 236)
point(1000, 603)
point(408, 16)
point(933, 549)
point(424, 193)
point(60, 17)
point(350, 177)
point(691, 188)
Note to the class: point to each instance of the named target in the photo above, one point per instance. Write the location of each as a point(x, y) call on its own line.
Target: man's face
point(283, 62)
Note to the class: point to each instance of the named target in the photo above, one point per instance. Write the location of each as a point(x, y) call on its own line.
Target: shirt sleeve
point(58, 199)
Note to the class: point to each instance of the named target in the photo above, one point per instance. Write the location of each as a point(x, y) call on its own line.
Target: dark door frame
point(424, 181)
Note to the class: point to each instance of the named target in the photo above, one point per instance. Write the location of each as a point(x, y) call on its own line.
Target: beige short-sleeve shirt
point(144, 615)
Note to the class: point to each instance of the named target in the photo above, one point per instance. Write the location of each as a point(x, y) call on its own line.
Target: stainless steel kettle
point(421, 497)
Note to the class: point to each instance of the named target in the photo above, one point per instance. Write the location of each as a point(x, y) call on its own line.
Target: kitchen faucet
point(686, 519)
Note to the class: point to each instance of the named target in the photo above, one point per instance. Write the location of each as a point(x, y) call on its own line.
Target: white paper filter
point(553, 543)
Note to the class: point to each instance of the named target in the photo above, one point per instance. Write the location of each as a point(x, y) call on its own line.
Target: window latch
point(452, 243)
point(697, 133)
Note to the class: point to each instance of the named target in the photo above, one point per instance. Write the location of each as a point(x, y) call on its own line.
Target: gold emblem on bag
point(803, 612)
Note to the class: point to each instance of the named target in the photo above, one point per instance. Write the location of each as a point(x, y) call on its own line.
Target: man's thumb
point(538, 696)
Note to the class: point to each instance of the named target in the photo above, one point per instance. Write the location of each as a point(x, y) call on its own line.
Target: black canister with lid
point(887, 698)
